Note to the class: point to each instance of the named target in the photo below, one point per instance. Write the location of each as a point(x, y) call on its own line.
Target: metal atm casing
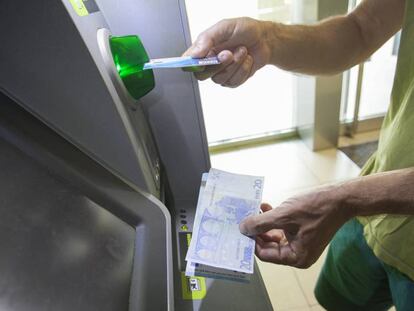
point(53, 66)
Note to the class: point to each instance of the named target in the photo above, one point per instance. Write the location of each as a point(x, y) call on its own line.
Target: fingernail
point(196, 49)
point(193, 50)
point(223, 57)
point(242, 50)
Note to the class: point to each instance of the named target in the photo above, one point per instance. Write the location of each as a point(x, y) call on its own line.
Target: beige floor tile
point(280, 163)
point(316, 308)
point(306, 308)
point(329, 165)
point(282, 286)
point(307, 278)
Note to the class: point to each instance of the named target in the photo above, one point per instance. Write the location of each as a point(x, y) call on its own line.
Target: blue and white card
point(181, 62)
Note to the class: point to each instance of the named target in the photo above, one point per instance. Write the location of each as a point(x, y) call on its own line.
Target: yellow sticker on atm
point(79, 7)
point(193, 287)
point(84, 7)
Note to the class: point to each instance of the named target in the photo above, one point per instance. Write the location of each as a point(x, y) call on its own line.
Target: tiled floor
point(289, 168)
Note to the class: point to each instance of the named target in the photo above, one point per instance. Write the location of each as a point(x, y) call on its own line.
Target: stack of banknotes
point(217, 248)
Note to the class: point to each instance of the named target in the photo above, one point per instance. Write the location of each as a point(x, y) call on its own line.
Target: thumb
point(216, 35)
point(201, 47)
point(258, 224)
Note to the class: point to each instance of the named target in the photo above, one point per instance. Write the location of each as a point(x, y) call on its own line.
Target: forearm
point(326, 48)
point(383, 193)
point(336, 44)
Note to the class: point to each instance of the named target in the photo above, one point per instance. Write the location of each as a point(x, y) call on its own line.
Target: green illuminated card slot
point(129, 56)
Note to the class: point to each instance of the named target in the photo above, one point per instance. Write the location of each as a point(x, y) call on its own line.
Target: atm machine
point(100, 171)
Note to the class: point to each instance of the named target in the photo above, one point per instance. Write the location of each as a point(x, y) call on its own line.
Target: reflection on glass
point(262, 104)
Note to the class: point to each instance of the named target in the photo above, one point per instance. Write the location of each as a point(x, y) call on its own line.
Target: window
point(264, 103)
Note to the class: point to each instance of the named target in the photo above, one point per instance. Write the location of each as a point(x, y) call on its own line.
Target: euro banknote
point(196, 269)
point(227, 199)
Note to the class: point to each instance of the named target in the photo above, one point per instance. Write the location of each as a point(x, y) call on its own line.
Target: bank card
point(181, 62)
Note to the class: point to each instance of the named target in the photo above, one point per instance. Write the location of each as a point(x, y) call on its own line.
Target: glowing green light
point(129, 57)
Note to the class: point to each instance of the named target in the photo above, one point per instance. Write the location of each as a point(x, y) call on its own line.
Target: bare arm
point(383, 193)
point(338, 43)
point(245, 45)
point(296, 232)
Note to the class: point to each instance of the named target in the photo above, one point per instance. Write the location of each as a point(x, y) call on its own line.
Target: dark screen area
point(58, 249)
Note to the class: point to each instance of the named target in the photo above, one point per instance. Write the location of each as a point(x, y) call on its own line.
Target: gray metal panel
point(227, 295)
point(51, 64)
point(173, 107)
point(65, 203)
